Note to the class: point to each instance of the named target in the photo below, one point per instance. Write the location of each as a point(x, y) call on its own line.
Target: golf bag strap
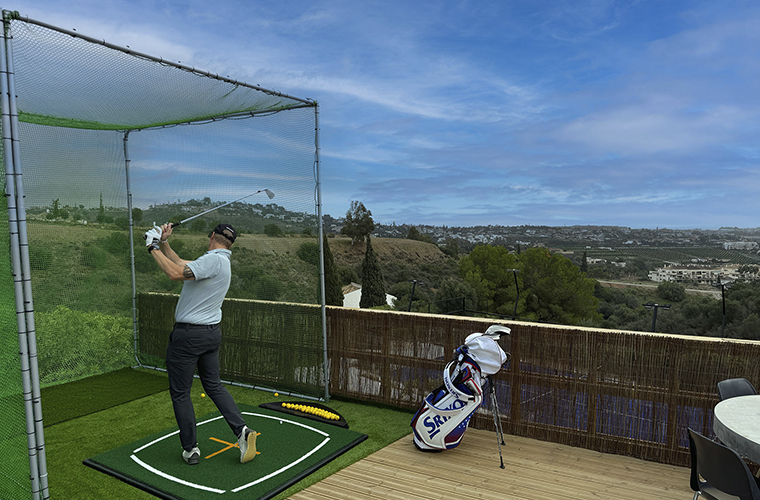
point(451, 387)
point(476, 397)
point(449, 383)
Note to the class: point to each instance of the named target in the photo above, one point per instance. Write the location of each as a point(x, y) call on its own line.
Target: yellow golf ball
point(276, 394)
point(203, 394)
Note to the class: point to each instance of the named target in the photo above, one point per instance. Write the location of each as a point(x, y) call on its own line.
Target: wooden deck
point(534, 470)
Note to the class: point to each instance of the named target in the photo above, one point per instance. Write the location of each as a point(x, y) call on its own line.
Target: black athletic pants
point(191, 346)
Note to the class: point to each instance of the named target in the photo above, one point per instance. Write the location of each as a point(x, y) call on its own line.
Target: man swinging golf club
point(196, 336)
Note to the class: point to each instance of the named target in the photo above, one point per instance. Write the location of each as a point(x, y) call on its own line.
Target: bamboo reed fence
point(629, 393)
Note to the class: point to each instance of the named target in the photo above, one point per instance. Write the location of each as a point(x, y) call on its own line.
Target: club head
point(269, 193)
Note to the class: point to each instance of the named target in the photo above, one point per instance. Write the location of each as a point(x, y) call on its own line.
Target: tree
point(57, 212)
point(358, 223)
point(309, 252)
point(673, 292)
point(273, 230)
point(333, 291)
point(555, 289)
point(415, 234)
point(137, 215)
point(198, 226)
point(451, 248)
point(552, 288)
point(454, 295)
point(584, 263)
point(486, 270)
point(101, 217)
point(373, 286)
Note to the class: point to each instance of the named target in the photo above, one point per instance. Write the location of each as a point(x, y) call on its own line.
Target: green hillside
point(87, 267)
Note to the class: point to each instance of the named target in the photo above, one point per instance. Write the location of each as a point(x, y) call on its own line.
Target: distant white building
point(352, 296)
point(700, 275)
point(740, 245)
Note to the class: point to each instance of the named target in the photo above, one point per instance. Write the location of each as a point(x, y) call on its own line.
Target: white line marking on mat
point(326, 440)
point(172, 434)
point(175, 479)
point(240, 488)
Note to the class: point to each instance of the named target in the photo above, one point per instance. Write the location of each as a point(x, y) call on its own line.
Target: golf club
point(268, 192)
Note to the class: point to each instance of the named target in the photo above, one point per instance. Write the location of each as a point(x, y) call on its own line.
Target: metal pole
point(22, 273)
point(318, 187)
point(10, 191)
point(131, 249)
point(27, 278)
point(651, 305)
point(411, 298)
point(517, 287)
point(723, 299)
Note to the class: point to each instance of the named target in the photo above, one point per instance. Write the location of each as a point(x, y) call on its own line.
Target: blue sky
point(462, 113)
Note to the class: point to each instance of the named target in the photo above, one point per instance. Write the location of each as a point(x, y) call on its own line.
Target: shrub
point(40, 258)
point(347, 275)
point(117, 243)
point(673, 292)
point(267, 288)
point(198, 226)
point(75, 344)
point(273, 230)
point(94, 257)
point(309, 253)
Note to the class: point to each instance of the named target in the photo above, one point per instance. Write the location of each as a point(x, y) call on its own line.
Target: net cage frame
point(19, 243)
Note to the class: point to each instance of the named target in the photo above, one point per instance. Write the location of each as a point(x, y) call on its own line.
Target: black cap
point(225, 230)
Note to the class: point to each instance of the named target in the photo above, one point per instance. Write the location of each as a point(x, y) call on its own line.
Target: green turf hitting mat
point(289, 447)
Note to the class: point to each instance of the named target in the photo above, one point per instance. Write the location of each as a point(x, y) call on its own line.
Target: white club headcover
point(486, 352)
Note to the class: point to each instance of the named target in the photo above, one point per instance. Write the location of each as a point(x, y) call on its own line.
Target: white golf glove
point(152, 237)
point(151, 234)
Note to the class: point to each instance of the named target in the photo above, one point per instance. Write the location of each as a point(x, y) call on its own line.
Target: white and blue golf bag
point(442, 420)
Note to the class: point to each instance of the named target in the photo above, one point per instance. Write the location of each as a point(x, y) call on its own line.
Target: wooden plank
point(534, 470)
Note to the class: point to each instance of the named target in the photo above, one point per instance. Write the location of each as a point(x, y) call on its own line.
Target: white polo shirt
point(200, 302)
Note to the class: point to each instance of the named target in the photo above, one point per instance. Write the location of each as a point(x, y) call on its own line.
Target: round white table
point(736, 422)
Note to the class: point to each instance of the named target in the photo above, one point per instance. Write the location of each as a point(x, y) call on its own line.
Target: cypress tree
point(373, 287)
point(584, 263)
point(333, 292)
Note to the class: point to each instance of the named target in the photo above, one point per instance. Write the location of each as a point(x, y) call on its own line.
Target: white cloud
point(637, 130)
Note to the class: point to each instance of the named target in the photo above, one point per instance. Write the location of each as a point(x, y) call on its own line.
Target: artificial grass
point(72, 441)
point(83, 397)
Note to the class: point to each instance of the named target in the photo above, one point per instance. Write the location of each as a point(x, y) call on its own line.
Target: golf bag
point(441, 421)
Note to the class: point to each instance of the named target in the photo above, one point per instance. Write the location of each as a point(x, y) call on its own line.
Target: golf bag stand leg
point(497, 421)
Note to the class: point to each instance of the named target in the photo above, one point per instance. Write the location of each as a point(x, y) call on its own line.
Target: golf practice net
point(99, 143)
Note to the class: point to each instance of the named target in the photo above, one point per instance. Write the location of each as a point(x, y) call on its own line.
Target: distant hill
point(387, 249)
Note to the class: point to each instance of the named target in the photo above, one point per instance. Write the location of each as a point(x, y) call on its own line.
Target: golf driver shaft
point(268, 192)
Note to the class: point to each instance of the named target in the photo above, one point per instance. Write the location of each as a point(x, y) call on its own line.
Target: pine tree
point(333, 292)
point(358, 222)
point(373, 287)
